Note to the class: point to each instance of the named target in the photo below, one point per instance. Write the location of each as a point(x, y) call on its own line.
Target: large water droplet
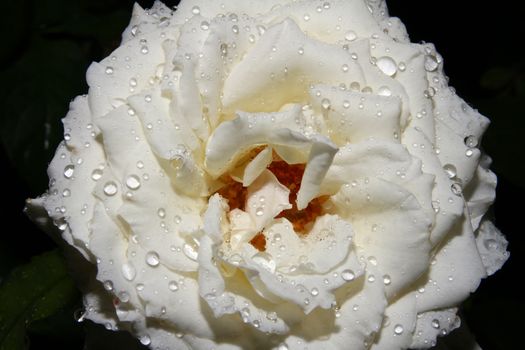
point(387, 65)
point(133, 182)
point(450, 170)
point(348, 275)
point(128, 271)
point(196, 10)
point(398, 329)
point(152, 259)
point(350, 35)
point(145, 340)
point(173, 286)
point(190, 250)
point(456, 189)
point(435, 323)
point(96, 174)
point(110, 188)
point(471, 141)
point(108, 285)
point(69, 170)
point(431, 63)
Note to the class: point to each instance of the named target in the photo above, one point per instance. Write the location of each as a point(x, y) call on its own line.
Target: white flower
point(274, 174)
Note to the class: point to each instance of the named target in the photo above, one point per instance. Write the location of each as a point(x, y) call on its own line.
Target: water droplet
point(431, 63)
point(306, 17)
point(450, 170)
point(471, 141)
point(259, 211)
point(371, 278)
point(161, 213)
point(350, 35)
point(256, 323)
point(128, 271)
point(282, 346)
point(66, 193)
point(152, 259)
point(96, 174)
point(110, 188)
point(145, 340)
point(272, 316)
point(300, 51)
point(79, 315)
point(173, 286)
point(190, 250)
point(348, 275)
point(123, 296)
point(69, 170)
point(224, 50)
point(345, 68)
point(456, 189)
point(144, 49)
point(325, 103)
point(384, 91)
point(108, 285)
point(435, 323)
point(196, 10)
point(133, 182)
point(177, 219)
point(67, 137)
point(469, 152)
point(235, 29)
point(398, 329)
point(387, 65)
point(387, 280)
point(133, 82)
point(109, 70)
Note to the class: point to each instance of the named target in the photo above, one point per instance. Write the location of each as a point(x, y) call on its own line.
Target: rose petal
point(492, 247)
point(389, 225)
point(399, 325)
point(278, 48)
point(257, 166)
point(456, 272)
point(432, 324)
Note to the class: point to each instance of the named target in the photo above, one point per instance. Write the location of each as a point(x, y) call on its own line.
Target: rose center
point(289, 175)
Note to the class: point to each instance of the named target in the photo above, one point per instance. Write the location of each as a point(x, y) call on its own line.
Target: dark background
point(46, 47)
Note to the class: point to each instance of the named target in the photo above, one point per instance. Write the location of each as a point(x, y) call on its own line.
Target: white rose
point(274, 174)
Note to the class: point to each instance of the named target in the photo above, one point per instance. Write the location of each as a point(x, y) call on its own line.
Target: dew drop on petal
point(110, 188)
point(128, 271)
point(350, 35)
point(161, 213)
point(96, 174)
point(471, 141)
point(196, 10)
point(152, 259)
point(456, 189)
point(387, 65)
point(145, 340)
point(450, 170)
point(133, 182)
point(173, 286)
point(69, 170)
point(435, 323)
point(398, 329)
point(348, 275)
point(431, 63)
point(108, 285)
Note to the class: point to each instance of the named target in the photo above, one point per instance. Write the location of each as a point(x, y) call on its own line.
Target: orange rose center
point(289, 175)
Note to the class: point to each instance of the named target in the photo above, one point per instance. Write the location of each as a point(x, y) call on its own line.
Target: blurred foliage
point(46, 49)
point(33, 296)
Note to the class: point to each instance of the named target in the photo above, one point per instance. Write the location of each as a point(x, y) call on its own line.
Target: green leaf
point(33, 292)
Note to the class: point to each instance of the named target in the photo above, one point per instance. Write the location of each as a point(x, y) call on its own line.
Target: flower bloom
point(274, 174)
